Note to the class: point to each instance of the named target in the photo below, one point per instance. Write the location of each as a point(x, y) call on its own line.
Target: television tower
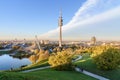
point(60, 24)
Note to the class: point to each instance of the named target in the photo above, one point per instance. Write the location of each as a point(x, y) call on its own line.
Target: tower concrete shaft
point(60, 24)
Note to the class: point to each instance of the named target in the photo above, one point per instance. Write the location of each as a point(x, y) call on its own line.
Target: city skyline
point(82, 19)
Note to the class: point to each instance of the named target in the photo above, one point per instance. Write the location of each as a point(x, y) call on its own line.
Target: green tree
point(61, 61)
point(106, 57)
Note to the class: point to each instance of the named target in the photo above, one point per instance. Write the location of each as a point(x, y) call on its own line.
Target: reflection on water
point(7, 62)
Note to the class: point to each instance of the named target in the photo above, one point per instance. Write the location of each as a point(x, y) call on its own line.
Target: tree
point(39, 56)
point(61, 61)
point(43, 56)
point(41, 51)
point(36, 51)
point(33, 58)
point(106, 57)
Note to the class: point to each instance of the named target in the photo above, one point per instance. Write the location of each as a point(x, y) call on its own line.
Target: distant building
point(93, 40)
point(42, 42)
point(46, 41)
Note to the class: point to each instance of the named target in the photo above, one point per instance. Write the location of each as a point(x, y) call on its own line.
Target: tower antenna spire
point(61, 12)
point(60, 24)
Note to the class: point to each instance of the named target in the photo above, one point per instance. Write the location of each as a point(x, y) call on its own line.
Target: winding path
point(90, 74)
point(79, 57)
point(35, 69)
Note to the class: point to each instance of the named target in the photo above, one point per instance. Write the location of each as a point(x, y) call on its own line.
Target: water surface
point(7, 62)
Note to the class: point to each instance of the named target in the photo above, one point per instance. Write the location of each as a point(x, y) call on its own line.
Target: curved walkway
point(90, 74)
point(79, 57)
point(36, 69)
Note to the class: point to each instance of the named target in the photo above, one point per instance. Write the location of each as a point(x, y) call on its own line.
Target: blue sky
point(82, 19)
point(98, 18)
point(26, 18)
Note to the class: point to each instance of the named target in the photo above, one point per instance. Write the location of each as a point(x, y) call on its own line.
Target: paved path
point(79, 57)
point(91, 74)
point(36, 69)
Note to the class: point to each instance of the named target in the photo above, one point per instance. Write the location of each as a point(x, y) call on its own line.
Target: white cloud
point(92, 11)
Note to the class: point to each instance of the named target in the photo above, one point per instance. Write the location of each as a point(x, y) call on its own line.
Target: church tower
point(60, 24)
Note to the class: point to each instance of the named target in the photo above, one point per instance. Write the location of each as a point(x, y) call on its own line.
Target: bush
point(106, 57)
point(61, 60)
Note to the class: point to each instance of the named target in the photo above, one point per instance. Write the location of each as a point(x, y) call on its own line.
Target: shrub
point(106, 57)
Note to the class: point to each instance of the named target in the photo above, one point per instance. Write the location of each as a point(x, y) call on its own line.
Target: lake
point(7, 62)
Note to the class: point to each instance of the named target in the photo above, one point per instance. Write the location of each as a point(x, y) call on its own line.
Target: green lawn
point(88, 64)
point(47, 74)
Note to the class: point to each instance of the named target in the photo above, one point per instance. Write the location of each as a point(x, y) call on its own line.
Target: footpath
point(90, 74)
point(35, 69)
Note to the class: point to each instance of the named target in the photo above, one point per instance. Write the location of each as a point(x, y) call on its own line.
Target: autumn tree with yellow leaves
point(61, 60)
point(106, 57)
